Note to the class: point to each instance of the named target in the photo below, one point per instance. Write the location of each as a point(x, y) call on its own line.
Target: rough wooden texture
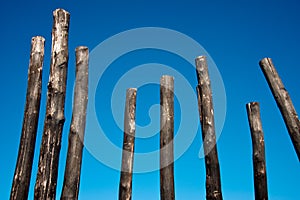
point(77, 129)
point(22, 174)
point(258, 146)
point(213, 180)
point(125, 187)
point(166, 138)
point(283, 101)
point(45, 187)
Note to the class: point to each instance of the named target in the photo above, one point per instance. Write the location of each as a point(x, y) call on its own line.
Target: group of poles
point(46, 181)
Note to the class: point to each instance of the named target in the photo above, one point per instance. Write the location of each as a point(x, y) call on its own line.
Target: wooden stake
point(125, 187)
point(258, 145)
point(166, 138)
point(45, 187)
point(76, 136)
point(213, 180)
point(23, 169)
point(283, 101)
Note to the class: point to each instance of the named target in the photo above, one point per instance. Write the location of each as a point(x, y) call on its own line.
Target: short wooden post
point(166, 138)
point(45, 186)
point(23, 169)
point(258, 146)
point(283, 101)
point(125, 187)
point(205, 104)
point(76, 136)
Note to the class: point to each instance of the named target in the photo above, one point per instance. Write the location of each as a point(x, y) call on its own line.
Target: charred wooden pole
point(258, 146)
point(76, 135)
point(45, 186)
point(205, 103)
point(23, 169)
point(125, 187)
point(283, 101)
point(166, 138)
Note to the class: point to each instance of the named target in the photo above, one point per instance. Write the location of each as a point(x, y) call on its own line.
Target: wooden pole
point(76, 135)
point(23, 169)
point(213, 180)
point(45, 186)
point(283, 101)
point(125, 187)
point(258, 146)
point(166, 138)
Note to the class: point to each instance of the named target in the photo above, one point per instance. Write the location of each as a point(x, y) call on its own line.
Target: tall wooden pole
point(45, 187)
point(125, 187)
point(205, 104)
point(23, 169)
point(166, 138)
point(283, 101)
point(76, 136)
point(258, 146)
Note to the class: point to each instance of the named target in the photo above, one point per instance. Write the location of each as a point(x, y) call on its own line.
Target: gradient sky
point(236, 34)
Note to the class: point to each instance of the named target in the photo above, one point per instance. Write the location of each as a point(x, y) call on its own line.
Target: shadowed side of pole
point(76, 135)
point(45, 186)
point(125, 187)
point(167, 191)
point(206, 112)
point(258, 146)
point(23, 169)
point(283, 101)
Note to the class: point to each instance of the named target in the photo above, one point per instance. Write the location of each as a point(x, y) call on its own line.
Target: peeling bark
point(76, 136)
point(258, 145)
point(45, 186)
point(205, 104)
point(283, 101)
point(125, 187)
point(166, 138)
point(23, 169)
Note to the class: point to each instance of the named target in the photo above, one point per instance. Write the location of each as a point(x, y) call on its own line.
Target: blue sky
point(236, 34)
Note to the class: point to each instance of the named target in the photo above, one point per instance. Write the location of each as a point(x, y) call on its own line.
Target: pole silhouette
point(125, 187)
point(76, 135)
point(45, 186)
point(23, 169)
point(258, 146)
point(283, 101)
point(166, 138)
point(206, 112)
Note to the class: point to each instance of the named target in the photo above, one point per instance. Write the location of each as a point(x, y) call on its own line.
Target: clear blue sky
point(236, 34)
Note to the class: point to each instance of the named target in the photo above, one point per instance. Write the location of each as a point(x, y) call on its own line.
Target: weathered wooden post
point(125, 187)
point(283, 101)
point(205, 105)
point(45, 186)
point(76, 135)
point(166, 138)
point(258, 146)
point(23, 169)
